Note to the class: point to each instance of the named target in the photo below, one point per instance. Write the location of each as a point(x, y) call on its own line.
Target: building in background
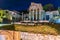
point(55, 13)
point(15, 15)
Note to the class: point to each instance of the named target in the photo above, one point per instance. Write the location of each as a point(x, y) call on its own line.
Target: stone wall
point(10, 35)
point(32, 36)
point(17, 35)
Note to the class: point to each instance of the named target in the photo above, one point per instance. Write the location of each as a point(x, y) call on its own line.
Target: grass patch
point(56, 26)
point(44, 29)
point(7, 27)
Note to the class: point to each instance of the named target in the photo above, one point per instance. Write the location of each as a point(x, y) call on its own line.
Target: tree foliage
point(59, 9)
point(48, 7)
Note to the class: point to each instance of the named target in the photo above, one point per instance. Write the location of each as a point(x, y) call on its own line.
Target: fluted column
point(39, 14)
point(43, 15)
point(30, 15)
point(36, 14)
point(51, 15)
point(33, 15)
point(22, 16)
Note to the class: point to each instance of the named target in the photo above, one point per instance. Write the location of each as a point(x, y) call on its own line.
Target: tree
point(4, 15)
point(1, 15)
point(59, 9)
point(48, 7)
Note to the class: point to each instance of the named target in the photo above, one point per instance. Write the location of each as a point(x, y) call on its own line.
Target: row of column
point(36, 15)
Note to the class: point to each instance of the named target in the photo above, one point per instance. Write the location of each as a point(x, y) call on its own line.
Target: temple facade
point(35, 11)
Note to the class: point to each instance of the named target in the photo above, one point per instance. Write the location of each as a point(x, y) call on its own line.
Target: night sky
point(24, 4)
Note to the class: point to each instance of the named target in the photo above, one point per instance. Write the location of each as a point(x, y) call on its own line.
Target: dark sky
point(24, 4)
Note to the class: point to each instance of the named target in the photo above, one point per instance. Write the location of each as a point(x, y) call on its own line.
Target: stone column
point(39, 14)
point(51, 15)
point(43, 14)
point(36, 14)
point(33, 15)
point(22, 16)
point(30, 15)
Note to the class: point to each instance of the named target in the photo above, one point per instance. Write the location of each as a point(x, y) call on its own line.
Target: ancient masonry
point(10, 35)
point(32, 36)
point(17, 35)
